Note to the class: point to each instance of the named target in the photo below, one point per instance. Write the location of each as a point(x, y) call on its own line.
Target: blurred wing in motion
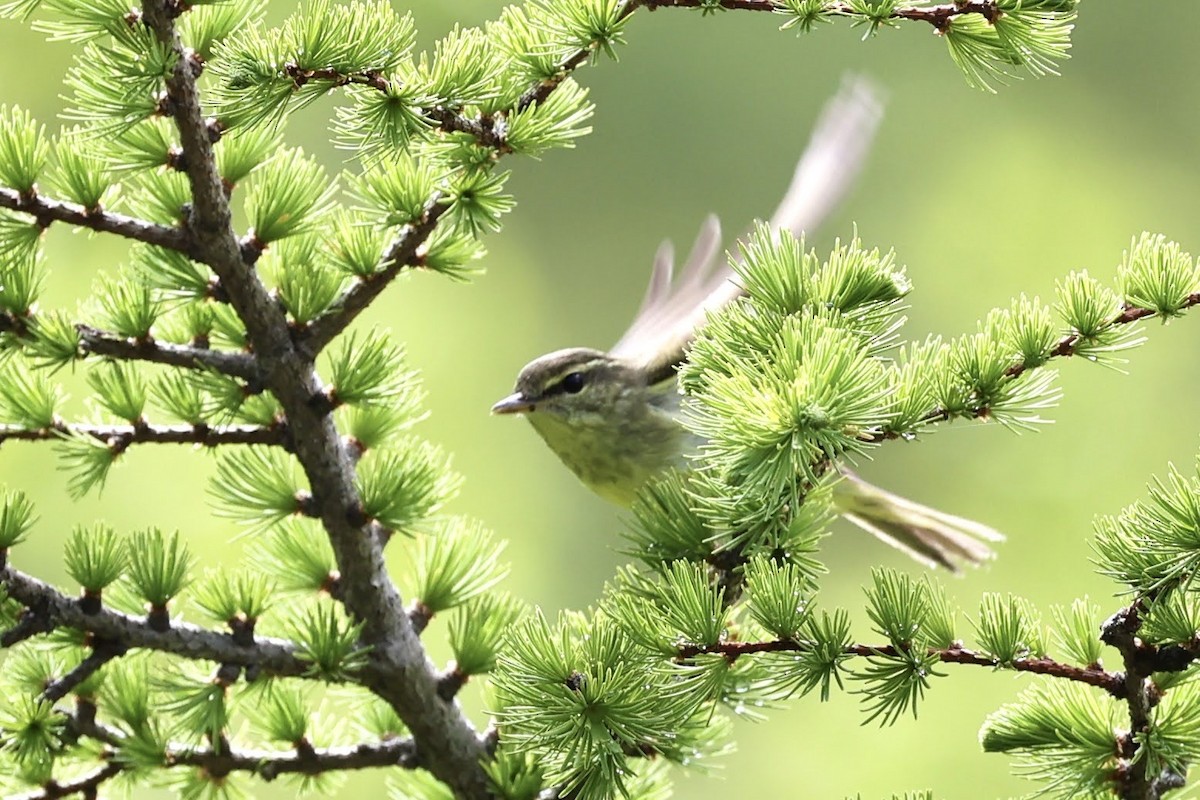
point(672, 309)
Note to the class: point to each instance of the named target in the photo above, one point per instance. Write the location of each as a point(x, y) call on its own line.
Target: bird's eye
point(572, 383)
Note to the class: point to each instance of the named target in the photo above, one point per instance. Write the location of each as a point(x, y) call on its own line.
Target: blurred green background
point(982, 196)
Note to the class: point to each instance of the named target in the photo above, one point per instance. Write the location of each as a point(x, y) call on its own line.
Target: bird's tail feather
point(926, 534)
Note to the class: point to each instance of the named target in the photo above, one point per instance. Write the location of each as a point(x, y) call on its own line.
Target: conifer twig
point(45, 211)
point(1111, 682)
point(52, 609)
point(120, 437)
point(93, 341)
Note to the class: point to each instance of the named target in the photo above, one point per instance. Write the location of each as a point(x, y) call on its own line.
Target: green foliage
point(779, 597)
point(376, 426)
point(1089, 309)
point(1173, 617)
point(1158, 275)
point(404, 483)
point(1077, 629)
point(666, 526)
point(1063, 734)
point(556, 122)
point(478, 629)
point(53, 341)
point(80, 174)
point(27, 398)
point(307, 286)
point(397, 192)
point(581, 694)
point(355, 249)
point(1008, 628)
point(120, 389)
point(199, 706)
point(328, 642)
point(241, 152)
point(116, 83)
point(128, 307)
point(16, 518)
point(206, 24)
point(261, 73)
point(32, 732)
point(898, 607)
point(455, 564)
point(283, 716)
point(180, 396)
point(477, 200)
point(1021, 35)
point(808, 369)
point(287, 196)
point(296, 555)
point(369, 370)
point(596, 25)
point(23, 149)
point(95, 556)
point(227, 596)
point(21, 272)
point(170, 273)
point(162, 197)
point(257, 486)
point(87, 460)
point(1154, 544)
point(160, 569)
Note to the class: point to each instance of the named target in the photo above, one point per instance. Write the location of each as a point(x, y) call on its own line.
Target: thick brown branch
point(56, 610)
point(93, 341)
point(1141, 660)
point(399, 670)
point(46, 211)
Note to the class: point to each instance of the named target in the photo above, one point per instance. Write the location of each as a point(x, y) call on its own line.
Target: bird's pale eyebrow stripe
point(586, 366)
point(552, 385)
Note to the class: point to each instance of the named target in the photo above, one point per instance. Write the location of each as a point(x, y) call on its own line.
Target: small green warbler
point(614, 417)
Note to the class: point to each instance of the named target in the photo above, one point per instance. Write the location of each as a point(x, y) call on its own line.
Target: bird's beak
point(515, 403)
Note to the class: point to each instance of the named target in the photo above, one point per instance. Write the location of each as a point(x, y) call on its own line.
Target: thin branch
point(399, 670)
point(1069, 344)
point(93, 341)
point(305, 760)
point(45, 211)
point(103, 651)
point(120, 437)
point(53, 609)
point(85, 785)
point(451, 682)
point(404, 252)
point(1066, 347)
point(939, 16)
point(1111, 682)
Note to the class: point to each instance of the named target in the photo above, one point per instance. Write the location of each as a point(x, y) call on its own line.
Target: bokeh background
point(983, 196)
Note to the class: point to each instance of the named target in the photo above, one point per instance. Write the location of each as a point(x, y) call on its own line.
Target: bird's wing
point(672, 309)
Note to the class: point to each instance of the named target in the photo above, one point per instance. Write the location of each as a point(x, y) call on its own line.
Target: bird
point(614, 417)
